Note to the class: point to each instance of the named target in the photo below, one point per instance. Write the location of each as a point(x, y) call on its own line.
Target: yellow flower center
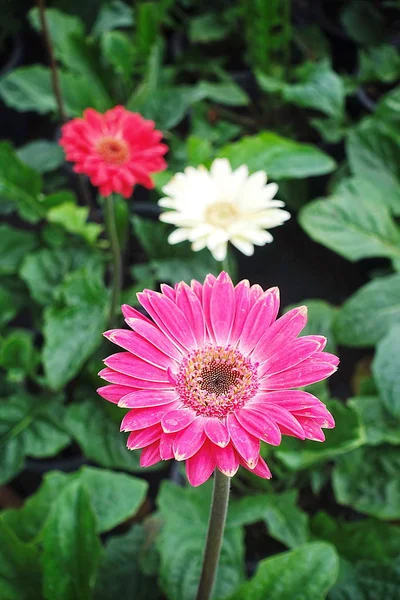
point(221, 214)
point(113, 150)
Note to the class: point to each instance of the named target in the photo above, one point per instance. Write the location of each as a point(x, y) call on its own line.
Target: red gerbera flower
point(116, 150)
point(213, 374)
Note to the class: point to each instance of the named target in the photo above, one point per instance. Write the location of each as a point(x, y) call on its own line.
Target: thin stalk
point(225, 264)
point(112, 233)
point(287, 32)
point(215, 534)
point(53, 66)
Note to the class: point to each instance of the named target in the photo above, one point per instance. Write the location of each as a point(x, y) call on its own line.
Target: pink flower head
point(213, 374)
point(116, 150)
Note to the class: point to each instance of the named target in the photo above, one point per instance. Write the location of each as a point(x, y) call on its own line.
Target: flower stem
point(215, 534)
point(112, 233)
point(53, 67)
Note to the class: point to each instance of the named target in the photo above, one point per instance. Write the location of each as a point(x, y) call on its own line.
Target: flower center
point(113, 150)
point(215, 381)
point(221, 214)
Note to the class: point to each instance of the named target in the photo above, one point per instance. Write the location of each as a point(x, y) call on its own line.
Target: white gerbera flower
point(212, 208)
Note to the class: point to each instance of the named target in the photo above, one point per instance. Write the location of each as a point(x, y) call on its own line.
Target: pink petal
point(114, 377)
point(299, 350)
point(311, 429)
point(131, 313)
point(247, 445)
point(284, 419)
point(144, 437)
point(168, 291)
point(261, 316)
point(134, 343)
point(128, 364)
point(216, 432)
point(153, 335)
point(200, 466)
point(166, 446)
point(305, 373)
point(139, 418)
point(319, 415)
point(222, 308)
point(226, 460)
point(169, 318)
point(261, 469)
point(326, 357)
point(190, 305)
point(292, 400)
point(197, 288)
point(255, 293)
point(150, 455)
point(259, 424)
point(322, 340)
point(206, 301)
point(145, 398)
point(113, 393)
point(281, 333)
point(189, 441)
point(242, 304)
point(176, 420)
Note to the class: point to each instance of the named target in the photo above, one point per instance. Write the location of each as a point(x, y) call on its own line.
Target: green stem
point(215, 534)
point(225, 264)
point(112, 233)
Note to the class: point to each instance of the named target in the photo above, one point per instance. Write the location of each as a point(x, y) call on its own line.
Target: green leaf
point(321, 316)
point(380, 63)
point(373, 156)
point(319, 88)
point(20, 184)
point(71, 547)
point(181, 542)
point(280, 157)
point(386, 370)
point(306, 573)
point(29, 426)
point(41, 155)
point(87, 422)
point(29, 89)
point(152, 236)
point(363, 22)
point(114, 498)
point(17, 352)
point(368, 539)
point(14, 245)
point(388, 111)
point(72, 333)
point(20, 576)
point(9, 304)
point(354, 222)
point(73, 218)
point(369, 581)
point(370, 313)
point(208, 27)
point(199, 150)
point(120, 568)
point(224, 92)
point(112, 15)
point(167, 106)
point(44, 270)
point(347, 435)
point(61, 27)
point(368, 480)
point(118, 50)
point(285, 521)
point(380, 426)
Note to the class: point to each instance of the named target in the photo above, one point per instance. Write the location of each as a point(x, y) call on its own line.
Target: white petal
point(167, 203)
point(217, 237)
point(243, 245)
point(219, 253)
point(179, 235)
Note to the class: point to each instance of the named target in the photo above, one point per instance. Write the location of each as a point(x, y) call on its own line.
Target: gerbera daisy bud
point(212, 372)
point(212, 208)
point(116, 150)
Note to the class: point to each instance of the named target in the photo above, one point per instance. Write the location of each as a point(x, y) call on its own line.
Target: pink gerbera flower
point(116, 150)
point(212, 375)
